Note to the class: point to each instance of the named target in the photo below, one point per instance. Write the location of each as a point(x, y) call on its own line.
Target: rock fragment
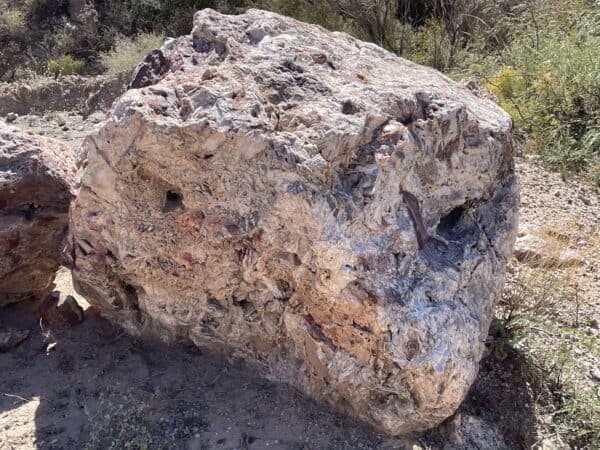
point(335, 215)
point(11, 337)
point(544, 249)
point(36, 179)
point(470, 432)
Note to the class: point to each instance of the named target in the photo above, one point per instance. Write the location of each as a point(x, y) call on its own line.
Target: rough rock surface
point(306, 201)
point(36, 179)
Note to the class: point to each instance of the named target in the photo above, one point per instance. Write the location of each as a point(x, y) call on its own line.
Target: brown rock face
point(36, 176)
point(311, 203)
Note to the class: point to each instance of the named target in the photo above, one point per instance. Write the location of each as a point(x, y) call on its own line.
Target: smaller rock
point(96, 117)
point(59, 309)
point(209, 73)
point(60, 120)
point(594, 324)
point(466, 431)
point(11, 117)
point(10, 338)
point(547, 251)
point(37, 177)
point(595, 374)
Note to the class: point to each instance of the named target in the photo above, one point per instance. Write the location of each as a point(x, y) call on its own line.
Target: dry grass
point(12, 21)
point(129, 52)
point(540, 317)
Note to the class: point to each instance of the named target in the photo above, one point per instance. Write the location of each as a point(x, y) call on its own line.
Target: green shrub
point(549, 81)
point(65, 65)
point(127, 53)
point(40, 11)
point(12, 22)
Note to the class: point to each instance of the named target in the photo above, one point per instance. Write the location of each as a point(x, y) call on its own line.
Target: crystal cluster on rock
point(335, 215)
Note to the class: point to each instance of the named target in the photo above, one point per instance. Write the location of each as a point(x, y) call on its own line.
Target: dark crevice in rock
point(362, 327)
point(450, 220)
point(216, 304)
point(173, 201)
point(131, 295)
point(289, 65)
point(29, 212)
point(244, 304)
point(348, 107)
point(204, 45)
point(317, 333)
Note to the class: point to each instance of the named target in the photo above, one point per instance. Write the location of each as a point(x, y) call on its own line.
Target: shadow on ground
point(97, 388)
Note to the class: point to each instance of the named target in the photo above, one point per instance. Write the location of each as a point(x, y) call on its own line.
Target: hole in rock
point(412, 349)
point(451, 220)
point(242, 303)
point(349, 108)
point(29, 212)
point(131, 296)
point(173, 201)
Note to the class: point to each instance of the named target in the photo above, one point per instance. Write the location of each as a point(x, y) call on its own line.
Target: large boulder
point(36, 187)
point(311, 203)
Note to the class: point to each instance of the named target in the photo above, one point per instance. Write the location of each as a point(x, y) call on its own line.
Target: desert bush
point(538, 316)
point(12, 22)
point(549, 81)
point(171, 17)
point(65, 65)
point(41, 11)
point(128, 52)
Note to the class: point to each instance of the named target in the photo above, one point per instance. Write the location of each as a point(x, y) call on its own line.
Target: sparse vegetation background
point(541, 59)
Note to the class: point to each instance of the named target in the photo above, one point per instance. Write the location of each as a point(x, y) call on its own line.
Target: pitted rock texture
point(306, 201)
point(36, 187)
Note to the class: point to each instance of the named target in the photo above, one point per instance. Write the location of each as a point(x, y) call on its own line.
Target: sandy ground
point(91, 386)
point(96, 388)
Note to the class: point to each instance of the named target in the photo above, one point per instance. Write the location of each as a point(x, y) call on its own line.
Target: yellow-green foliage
point(549, 81)
point(127, 53)
point(506, 83)
point(12, 21)
point(65, 65)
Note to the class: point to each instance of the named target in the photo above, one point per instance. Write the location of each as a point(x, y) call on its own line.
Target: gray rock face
point(311, 203)
point(36, 179)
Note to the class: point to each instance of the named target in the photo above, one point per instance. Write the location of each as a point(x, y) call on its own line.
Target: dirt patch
point(96, 388)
